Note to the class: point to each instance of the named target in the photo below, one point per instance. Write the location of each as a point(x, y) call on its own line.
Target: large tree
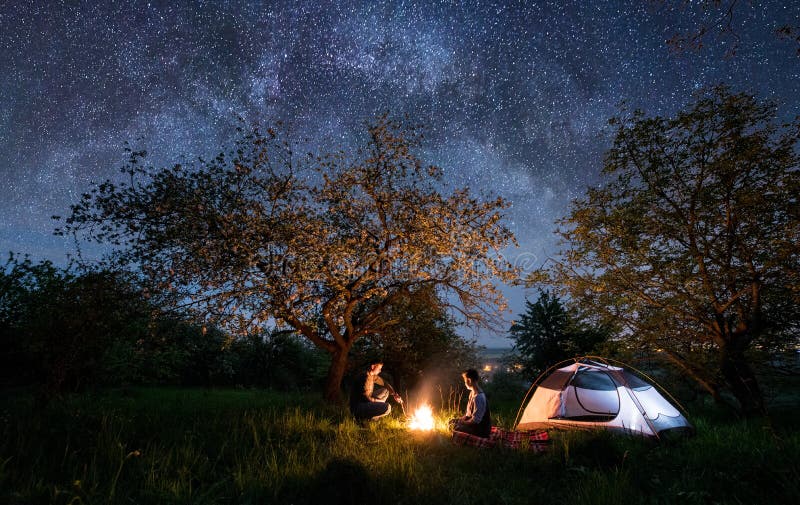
point(320, 243)
point(692, 238)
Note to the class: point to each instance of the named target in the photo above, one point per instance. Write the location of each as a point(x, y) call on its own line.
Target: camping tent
point(593, 394)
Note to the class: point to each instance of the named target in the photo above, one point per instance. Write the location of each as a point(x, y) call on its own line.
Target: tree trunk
point(333, 383)
point(742, 381)
point(709, 385)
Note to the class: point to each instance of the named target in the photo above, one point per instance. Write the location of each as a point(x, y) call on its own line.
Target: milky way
point(515, 95)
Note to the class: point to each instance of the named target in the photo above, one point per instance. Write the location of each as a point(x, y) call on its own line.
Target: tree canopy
point(320, 243)
point(421, 346)
point(692, 239)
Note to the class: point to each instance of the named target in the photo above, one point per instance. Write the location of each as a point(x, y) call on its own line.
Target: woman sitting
point(476, 420)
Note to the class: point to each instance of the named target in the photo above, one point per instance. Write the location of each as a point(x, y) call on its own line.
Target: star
point(516, 96)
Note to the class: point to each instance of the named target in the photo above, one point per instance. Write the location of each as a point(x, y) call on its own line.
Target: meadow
point(195, 446)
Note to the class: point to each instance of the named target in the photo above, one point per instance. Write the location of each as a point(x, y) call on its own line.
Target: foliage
point(505, 390)
point(420, 346)
point(57, 324)
point(149, 356)
point(692, 240)
point(323, 244)
point(63, 329)
point(548, 333)
point(280, 360)
point(717, 22)
point(192, 446)
point(178, 351)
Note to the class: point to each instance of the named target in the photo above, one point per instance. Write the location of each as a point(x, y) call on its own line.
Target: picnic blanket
point(534, 440)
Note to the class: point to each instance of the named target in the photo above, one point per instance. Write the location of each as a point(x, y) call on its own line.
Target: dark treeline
point(66, 329)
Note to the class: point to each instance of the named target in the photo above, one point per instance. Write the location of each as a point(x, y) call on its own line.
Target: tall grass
point(179, 446)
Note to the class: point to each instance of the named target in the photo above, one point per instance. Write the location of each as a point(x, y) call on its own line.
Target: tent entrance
point(591, 396)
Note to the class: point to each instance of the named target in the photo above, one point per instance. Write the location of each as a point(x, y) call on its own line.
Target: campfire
point(422, 419)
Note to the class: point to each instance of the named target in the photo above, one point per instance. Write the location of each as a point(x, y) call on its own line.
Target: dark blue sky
point(516, 95)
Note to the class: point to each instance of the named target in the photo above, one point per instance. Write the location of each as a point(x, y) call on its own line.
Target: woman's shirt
point(476, 406)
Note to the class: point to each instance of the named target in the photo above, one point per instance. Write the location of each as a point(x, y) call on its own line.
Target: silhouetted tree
point(58, 324)
point(720, 21)
point(279, 359)
point(692, 240)
point(321, 244)
point(548, 333)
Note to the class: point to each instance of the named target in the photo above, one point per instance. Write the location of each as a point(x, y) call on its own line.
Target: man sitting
point(369, 394)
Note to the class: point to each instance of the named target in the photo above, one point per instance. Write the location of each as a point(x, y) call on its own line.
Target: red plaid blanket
point(536, 440)
point(461, 438)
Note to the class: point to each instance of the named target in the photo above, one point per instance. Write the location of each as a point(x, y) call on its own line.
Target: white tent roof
point(588, 394)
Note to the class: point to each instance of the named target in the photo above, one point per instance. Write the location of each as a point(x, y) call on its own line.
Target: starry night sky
point(516, 95)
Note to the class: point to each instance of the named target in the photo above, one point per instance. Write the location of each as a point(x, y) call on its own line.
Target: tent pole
point(653, 381)
point(629, 390)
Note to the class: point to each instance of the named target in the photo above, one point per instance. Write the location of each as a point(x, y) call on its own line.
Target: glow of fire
point(422, 419)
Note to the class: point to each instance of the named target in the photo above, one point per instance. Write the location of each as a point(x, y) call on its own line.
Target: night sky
point(516, 97)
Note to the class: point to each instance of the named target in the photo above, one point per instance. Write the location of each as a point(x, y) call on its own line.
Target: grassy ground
point(191, 446)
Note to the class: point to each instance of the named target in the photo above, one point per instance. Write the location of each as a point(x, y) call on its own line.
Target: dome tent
point(591, 394)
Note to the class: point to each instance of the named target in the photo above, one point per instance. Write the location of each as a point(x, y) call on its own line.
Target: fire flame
point(422, 419)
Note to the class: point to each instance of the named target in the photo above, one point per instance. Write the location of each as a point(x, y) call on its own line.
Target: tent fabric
point(588, 394)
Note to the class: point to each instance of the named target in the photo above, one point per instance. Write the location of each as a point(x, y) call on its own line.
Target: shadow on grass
point(342, 481)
